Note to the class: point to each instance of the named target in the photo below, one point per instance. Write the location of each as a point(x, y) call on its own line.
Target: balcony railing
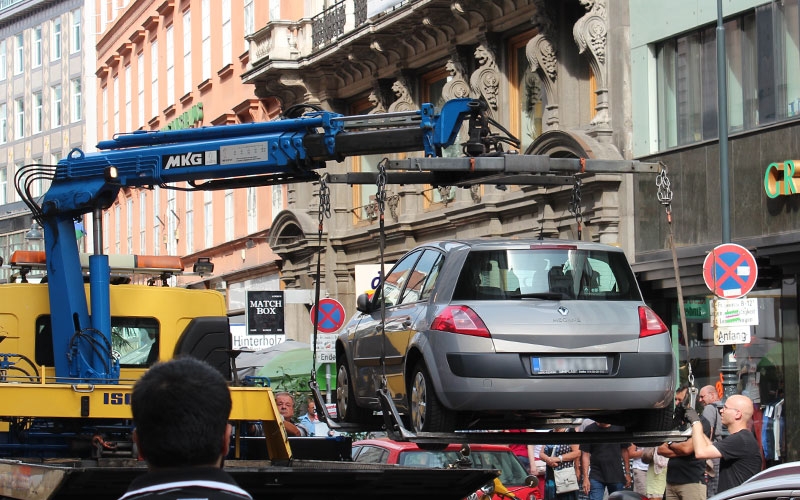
point(328, 25)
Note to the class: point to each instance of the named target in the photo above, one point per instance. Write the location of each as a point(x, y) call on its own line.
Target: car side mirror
point(364, 303)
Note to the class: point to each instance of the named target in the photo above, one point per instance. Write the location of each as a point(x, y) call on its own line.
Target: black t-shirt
point(688, 469)
point(741, 459)
point(606, 458)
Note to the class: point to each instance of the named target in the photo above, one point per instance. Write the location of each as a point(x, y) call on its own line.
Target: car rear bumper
point(504, 381)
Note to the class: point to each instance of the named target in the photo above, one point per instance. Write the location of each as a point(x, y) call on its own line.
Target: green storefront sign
point(188, 119)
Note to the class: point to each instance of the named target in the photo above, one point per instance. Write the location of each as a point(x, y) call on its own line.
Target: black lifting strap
point(664, 194)
point(324, 212)
point(380, 199)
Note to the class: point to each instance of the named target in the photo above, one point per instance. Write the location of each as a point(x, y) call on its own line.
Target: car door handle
point(406, 323)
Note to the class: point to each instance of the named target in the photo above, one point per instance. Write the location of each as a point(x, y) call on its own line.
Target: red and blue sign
point(730, 271)
point(330, 315)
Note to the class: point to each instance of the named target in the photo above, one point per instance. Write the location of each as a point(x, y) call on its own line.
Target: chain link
point(664, 187)
point(575, 202)
point(324, 199)
point(380, 196)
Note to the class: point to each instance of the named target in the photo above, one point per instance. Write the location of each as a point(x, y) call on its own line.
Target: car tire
point(426, 413)
point(346, 407)
point(658, 420)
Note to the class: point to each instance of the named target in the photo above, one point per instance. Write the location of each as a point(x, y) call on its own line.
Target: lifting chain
point(664, 194)
point(324, 212)
point(380, 199)
point(575, 204)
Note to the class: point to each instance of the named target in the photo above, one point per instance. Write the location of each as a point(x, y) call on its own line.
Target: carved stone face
point(373, 99)
point(587, 4)
point(450, 67)
point(481, 54)
point(398, 89)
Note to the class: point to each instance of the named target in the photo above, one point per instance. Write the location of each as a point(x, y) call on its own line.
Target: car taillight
point(649, 323)
point(460, 319)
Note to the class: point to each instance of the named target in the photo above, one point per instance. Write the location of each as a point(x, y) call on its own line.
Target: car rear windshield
point(511, 471)
point(550, 273)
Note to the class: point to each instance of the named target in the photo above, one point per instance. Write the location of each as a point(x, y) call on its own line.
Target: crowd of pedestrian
point(181, 409)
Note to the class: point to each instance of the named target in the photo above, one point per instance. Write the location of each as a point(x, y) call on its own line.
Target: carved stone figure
point(404, 102)
point(457, 86)
point(375, 100)
point(485, 81)
point(591, 34)
point(541, 54)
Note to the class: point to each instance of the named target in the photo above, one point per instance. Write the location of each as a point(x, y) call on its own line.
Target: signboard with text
point(265, 312)
point(735, 312)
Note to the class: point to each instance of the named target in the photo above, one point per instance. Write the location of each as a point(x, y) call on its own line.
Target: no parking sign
point(330, 315)
point(730, 271)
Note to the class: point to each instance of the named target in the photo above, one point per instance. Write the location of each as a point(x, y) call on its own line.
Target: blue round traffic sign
point(330, 315)
point(730, 271)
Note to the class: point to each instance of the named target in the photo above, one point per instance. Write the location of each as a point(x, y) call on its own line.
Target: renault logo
point(563, 311)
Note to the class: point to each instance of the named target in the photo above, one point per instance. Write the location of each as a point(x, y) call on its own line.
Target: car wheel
point(657, 420)
point(346, 407)
point(426, 412)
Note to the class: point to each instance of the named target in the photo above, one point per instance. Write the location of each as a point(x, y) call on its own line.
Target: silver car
point(495, 333)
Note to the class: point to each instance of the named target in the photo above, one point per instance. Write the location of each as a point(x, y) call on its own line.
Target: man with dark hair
point(180, 410)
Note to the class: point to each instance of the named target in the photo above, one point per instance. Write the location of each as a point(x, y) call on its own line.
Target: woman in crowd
point(559, 457)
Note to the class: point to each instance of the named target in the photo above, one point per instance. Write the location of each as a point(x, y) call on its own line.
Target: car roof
point(781, 478)
point(504, 243)
point(407, 446)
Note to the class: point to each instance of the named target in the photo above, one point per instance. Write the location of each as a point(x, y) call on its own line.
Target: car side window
point(372, 455)
point(397, 278)
point(422, 278)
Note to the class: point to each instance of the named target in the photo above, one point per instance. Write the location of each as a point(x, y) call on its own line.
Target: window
point(104, 99)
point(229, 214)
point(36, 50)
point(55, 47)
point(3, 184)
point(206, 34)
point(170, 67)
point(76, 108)
point(226, 33)
point(277, 200)
point(115, 98)
point(274, 10)
point(135, 339)
point(3, 60)
point(187, 52)
point(142, 223)
point(249, 22)
point(17, 167)
point(38, 116)
point(189, 222)
point(19, 118)
point(37, 184)
point(117, 218)
point(129, 224)
point(397, 278)
point(140, 90)
point(76, 31)
point(3, 123)
point(252, 210)
point(763, 58)
point(55, 100)
point(19, 54)
point(172, 224)
point(154, 110)
point(208, 214)
point(128, 100)
point(157, 223)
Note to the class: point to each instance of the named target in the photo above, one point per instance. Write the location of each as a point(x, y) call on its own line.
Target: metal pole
point(728, 369)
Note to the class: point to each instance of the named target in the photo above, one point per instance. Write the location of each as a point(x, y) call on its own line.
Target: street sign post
point(730, 271)
point(330, 315)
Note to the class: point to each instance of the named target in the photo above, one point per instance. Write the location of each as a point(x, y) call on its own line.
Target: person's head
point(311, 406)
point(708, 395)
point(736, 412)
point(285, 402)
point(680, 394)
point(180, 410)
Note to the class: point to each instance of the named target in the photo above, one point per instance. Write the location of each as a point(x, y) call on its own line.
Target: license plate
point(570, 365)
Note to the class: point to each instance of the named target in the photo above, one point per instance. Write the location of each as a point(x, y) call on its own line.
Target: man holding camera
point(739, 453)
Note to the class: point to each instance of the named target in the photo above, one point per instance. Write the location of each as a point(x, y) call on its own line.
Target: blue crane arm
point(281, 151)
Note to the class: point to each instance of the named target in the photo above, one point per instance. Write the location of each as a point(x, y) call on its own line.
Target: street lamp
point(34, 236)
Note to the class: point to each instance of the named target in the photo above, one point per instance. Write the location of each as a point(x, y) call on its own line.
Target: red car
point(483, 456)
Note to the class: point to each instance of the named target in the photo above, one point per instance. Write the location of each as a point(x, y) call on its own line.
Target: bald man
point(739, 453)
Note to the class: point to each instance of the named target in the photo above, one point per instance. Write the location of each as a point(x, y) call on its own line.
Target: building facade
point(675, 102)
point(173, 65)
point(43, 89)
